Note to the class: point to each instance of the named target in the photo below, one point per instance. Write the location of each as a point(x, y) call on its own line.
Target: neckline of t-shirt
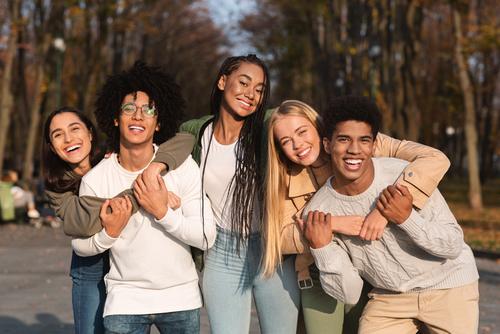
point(124, 171)
point(214, 139)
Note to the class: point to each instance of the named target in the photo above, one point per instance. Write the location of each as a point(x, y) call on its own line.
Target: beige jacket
point(426, 169)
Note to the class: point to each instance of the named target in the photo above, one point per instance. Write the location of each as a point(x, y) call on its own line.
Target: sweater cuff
point(170, 221)
point(413, 224)
point(104, 240)
point(167, 159)
point(326, 259)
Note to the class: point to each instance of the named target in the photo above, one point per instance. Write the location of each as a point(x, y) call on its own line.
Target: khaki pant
point(454, 311)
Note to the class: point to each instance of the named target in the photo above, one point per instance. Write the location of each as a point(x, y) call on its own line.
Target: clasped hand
point(395, 203)
point(115, 214)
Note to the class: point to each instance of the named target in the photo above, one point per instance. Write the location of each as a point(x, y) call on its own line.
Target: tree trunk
point(475, 198)
point(491, 136)
point(6, 94)
point(35, 109)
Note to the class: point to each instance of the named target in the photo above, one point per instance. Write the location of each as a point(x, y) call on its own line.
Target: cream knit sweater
point(426, 252)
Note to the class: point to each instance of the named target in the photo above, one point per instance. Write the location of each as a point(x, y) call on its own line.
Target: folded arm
point(426, 169)
point(338, 276)
point(81, 214)
point(115, 214)
point(189, 223)
point(435, 229)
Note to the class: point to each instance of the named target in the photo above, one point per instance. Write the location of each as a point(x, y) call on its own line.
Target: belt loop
point(304, 279)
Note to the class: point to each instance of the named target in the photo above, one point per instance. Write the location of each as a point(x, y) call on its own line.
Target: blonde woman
point(297, 167)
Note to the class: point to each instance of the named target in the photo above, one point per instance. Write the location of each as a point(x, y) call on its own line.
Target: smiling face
point(351, 148)
point(71, 140)
point(242, 90)
point(298, 138)
point(136, 128)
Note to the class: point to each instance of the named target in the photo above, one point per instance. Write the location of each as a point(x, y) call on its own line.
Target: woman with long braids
point(229, 150)
point(297, 166)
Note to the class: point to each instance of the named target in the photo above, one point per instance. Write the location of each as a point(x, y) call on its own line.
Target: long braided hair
point(247, 181)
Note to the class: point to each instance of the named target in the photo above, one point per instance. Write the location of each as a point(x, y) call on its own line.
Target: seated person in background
point(424, 275)
point(24, 202)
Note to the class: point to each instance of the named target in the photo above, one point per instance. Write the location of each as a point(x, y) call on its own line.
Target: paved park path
point(35, 289)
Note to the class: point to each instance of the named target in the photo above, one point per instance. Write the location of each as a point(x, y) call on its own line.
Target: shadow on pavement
point(46, 323)
point(490, 277)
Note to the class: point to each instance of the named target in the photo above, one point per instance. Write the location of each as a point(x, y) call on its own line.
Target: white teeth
point(301, 154)
point(353, 161)
point(244, 103)
point(133, 127)
point(72, 148)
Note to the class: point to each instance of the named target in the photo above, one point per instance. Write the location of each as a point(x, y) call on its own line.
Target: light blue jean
point(89, 292)
point(182, 322)
point(230, 280)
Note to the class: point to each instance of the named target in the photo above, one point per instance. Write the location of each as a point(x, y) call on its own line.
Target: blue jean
point(181, 322)
point(89, 292)
point(230, 280)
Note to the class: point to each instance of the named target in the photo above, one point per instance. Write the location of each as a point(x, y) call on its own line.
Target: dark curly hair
point(161, 89)
point(248, 179)
point(350, 108)
point(54, 169)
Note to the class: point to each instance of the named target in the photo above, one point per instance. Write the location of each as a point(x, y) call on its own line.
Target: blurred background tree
point(432, 66)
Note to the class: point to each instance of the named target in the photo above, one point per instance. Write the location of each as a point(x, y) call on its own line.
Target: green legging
point(324, 314)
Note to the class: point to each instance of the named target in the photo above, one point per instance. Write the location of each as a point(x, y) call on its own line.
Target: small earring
point(116, 122)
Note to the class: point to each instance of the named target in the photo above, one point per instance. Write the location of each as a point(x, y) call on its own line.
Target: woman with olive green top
point(297, 167)
point(80, 215)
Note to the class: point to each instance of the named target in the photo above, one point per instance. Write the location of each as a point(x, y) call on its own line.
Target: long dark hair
point(55, 171)
point(246, 184)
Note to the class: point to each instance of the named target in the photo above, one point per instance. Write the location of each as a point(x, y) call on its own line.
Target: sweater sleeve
point(339, 278)
point(435, 229)
point(98, 242)
point(189, 223)
point(175, 151)
point(426, 169)
point(80, 215)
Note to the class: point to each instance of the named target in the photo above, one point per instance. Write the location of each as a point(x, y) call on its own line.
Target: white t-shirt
point(219, 171)
point(151, 266)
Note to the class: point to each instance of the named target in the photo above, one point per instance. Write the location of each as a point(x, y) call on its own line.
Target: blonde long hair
point(277, 170)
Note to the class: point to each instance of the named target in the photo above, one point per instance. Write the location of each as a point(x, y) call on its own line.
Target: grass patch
point(481, 229)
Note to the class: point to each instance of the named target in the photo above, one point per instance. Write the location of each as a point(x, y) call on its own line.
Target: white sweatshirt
point(151, 266)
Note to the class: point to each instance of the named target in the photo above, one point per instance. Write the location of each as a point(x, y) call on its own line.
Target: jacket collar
point(302, 181)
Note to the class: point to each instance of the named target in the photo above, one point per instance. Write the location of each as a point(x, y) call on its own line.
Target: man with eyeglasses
point(152, 279)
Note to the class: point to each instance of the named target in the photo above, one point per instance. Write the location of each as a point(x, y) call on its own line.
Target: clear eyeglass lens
point(131, 108)
point(146, 110)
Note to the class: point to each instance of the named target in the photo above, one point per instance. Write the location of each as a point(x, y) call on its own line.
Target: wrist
point(400, 220)
point(318, 244)
point(111, 232)
point(159, 167)
point(160, 213)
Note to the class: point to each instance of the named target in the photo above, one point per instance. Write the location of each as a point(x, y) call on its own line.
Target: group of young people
point(376, 250)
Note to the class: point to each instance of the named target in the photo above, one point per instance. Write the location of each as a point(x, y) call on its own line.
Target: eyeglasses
point(130, 109)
